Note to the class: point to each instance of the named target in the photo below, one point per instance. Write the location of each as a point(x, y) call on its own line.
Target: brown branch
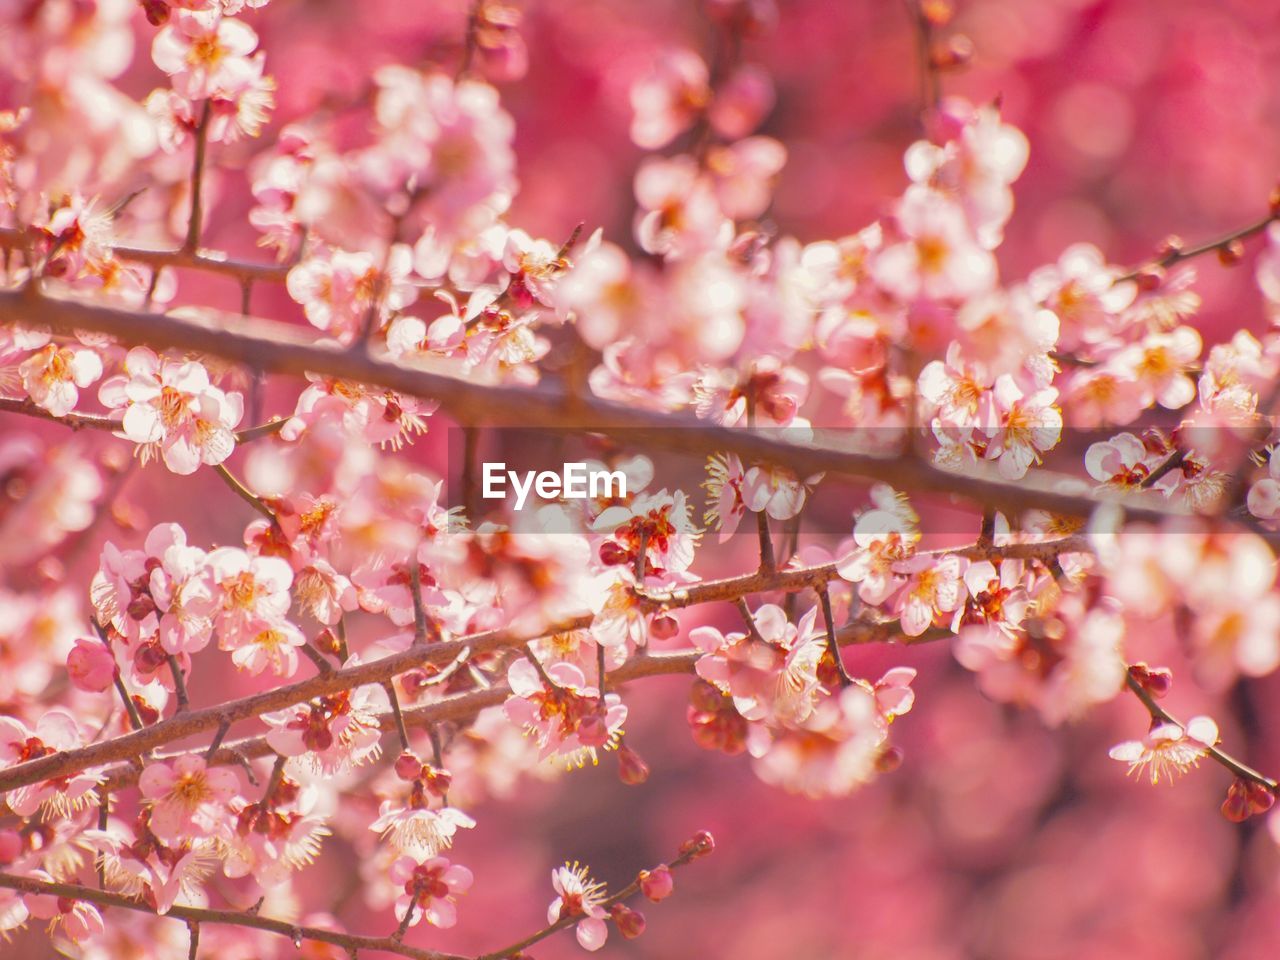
point(1178, 254)
point(930, 80)
point(244, 493)
point(275, 347)
point(459, 708)
point(376, 671)
point(352, 942)
point(93, 421)
point(1242, 770)
point(196, 216)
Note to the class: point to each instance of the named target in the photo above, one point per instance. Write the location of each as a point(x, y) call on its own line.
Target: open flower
point(201, 51)
point(56, 731)
point(53, 375)
point(188, 799)
point(580, 896)
point(430, 889)
point(172, 406)
point(1025, 426)
point(419, 832)
point(1168, 750)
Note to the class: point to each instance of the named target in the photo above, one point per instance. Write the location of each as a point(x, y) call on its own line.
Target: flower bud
point(326, 641)
point(1236, 806)
point(437, 779)
point(1154, 680)
point(955, 52)
point(657, 884)
point(937, 12)
point(408, 767)
point(1231, 253)
point(664, 627)
point(91, 666)
point(146, 712)
point(1260, 797)
point(890, 759)
point(632, 770)
point(630, 922)
point(157, 12)
point(699, 845)
point(1149, 278)
point(612, 554)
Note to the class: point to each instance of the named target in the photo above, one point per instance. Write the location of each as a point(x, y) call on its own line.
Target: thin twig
point(179, 684)
point(833, 644)
point(1240, 769)
point(104, 898)
point(396, 712)
point(197, 179)
point(244, 493)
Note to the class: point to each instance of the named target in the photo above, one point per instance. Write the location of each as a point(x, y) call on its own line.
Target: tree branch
point(197, 915)
point(278, 348)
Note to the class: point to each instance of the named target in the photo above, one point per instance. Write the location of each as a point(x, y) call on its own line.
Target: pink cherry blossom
point(202, 51)
point(54, 376)
point(430, 890)
point(172, 408)
point(577, 895)
point(187, 799)
point(1168, 750)
point(1025, 425)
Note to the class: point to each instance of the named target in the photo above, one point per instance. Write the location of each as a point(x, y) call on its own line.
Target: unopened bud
point(657, 884)
point(1149, 278)
point(146, 712)
point(1231, 253)
point(613, 554)
point(1236, 806)
point(705, 696)
point(1170, 245)
point(157, 12)
point(955, 52)
point(408, 767)
point(938, 13)
point(699, 845)
point(630, 922)
point(1154, 680)
point(632, 770)
point(664, 627)
point(438, 780)
point(1261, 799)
point(889, 760)
point(326, 641)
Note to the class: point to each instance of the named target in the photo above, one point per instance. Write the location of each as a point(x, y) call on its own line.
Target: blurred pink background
point(997, 838)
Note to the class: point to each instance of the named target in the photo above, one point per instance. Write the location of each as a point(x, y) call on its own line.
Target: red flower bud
point(699, 845)
point(1236, 806)
point(657, 884)
point(664, 627)
point(630, 922)
point(632, 770)
point(408, 767)
point(1231, 253)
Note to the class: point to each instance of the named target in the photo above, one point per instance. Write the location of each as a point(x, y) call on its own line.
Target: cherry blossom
point(1169, 750)
point(430, 889)
point(54, 376)
point(173, 408)
point(577, 895)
